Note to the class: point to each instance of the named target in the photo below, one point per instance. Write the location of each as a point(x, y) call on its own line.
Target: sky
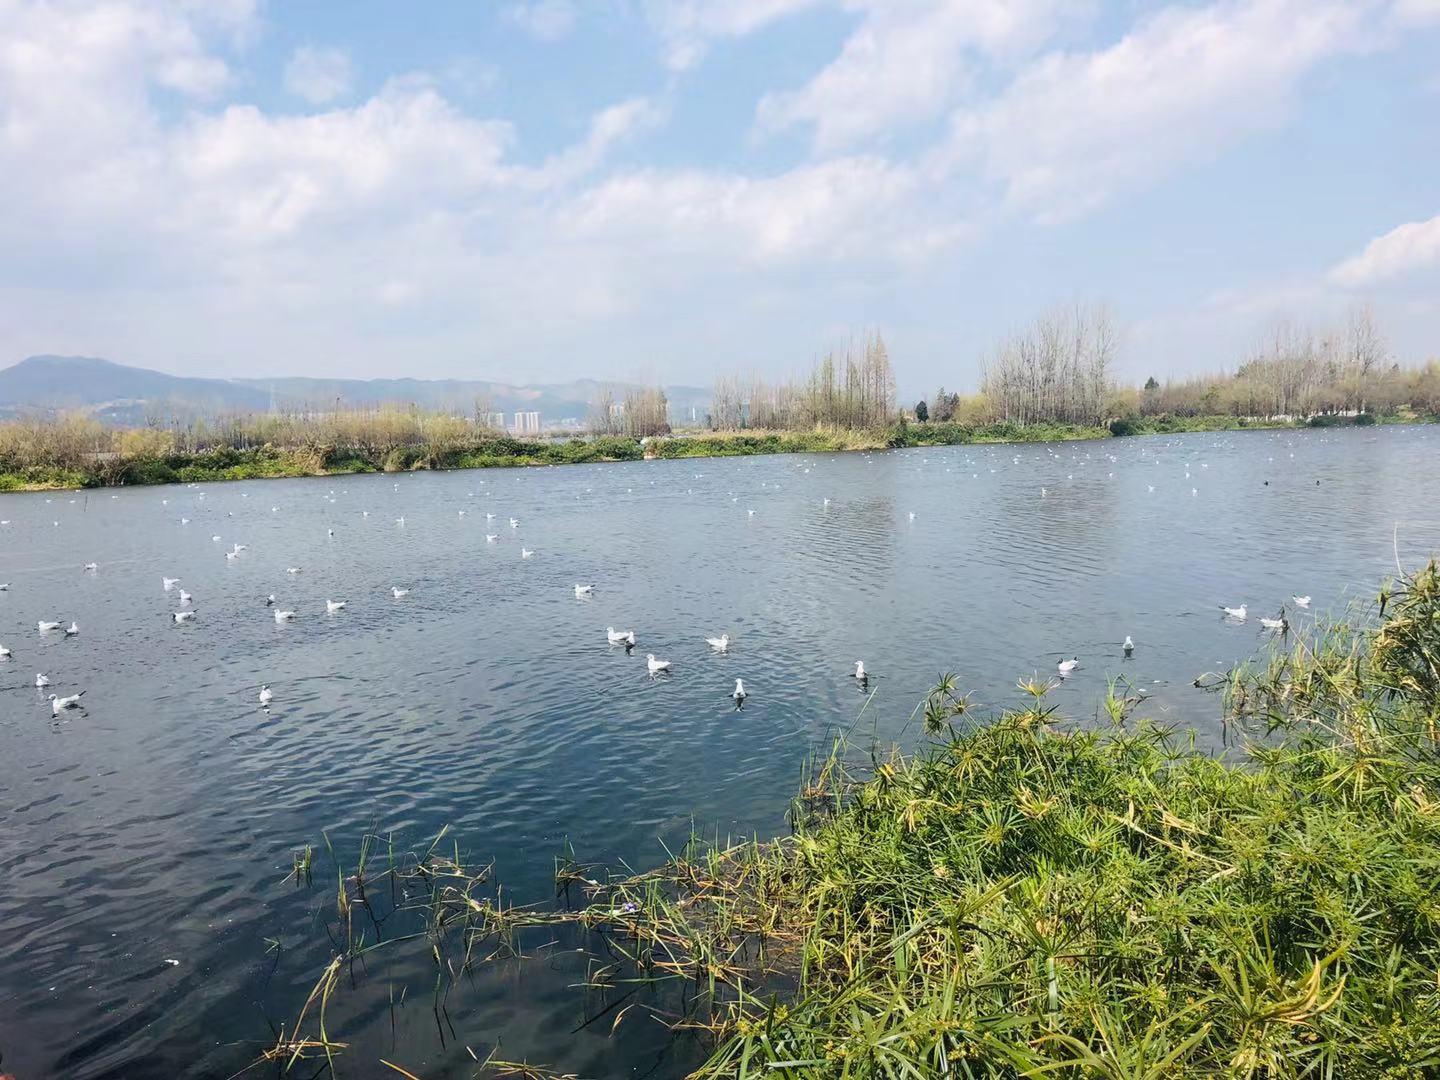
point(541, 190)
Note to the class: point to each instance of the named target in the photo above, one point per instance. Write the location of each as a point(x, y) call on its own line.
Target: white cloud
point(904, 63)
point(1403, 250)
point(1075, 128)
point(688, 27)
point(859, 208)
point(545, 20)
point(318, 76)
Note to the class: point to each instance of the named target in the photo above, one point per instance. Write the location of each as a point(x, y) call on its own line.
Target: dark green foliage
point(1032, 898)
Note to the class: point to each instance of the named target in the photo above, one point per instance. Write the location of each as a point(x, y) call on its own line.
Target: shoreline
point(273, 463)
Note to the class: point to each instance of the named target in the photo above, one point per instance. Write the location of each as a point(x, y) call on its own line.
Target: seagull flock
point(656, 667)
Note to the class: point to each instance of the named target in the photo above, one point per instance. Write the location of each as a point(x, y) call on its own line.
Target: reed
point(1028, 895)
point(1034, 897)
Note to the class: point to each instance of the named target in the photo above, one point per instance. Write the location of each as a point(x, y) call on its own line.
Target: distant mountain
point(118, 394)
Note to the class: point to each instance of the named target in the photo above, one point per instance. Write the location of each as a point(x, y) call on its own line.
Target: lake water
point(157, 823)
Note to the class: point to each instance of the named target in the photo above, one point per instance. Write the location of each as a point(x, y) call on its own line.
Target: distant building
point(495, 420)
point(527, 423)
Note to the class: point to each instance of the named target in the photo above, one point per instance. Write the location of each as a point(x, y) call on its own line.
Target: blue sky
point(536, 190)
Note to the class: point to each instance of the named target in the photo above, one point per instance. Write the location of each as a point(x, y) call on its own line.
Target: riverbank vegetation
point(1060, 370)
point(1052, 381)
point(1032, 896)
point(1035, 897)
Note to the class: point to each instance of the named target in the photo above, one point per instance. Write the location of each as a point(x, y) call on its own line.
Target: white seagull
point(1067, 666)
point(284, 616)
point(182, 616)
point(525, 553)
point(292, 569)
point(739, 693)
point(514, 523)
point(1128, 646)
point(67, 702)
point(232, 555)
point(72, 629)
point(1273, 624)
point(398, 592)
point(656, 666)
point(490, 538)
point(4, 653)
point(265, 695)
point(617, 637)
point(1234, 612)
point(185, 597)
point(169, 582)
point(42, 679)
point(333, 606)
point(1301, 601)
point(46, 627)
point(92, 566)
point(719, 644)
point(859, 672)
point(583, 590)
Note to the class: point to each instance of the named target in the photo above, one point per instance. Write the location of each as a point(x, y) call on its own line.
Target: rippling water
point(157, 823)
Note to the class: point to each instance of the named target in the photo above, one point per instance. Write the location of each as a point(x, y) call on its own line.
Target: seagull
point(583, 590)
point(292, 569)
point(5, 587)
point(749, 513)
point(185, 597)
point(215, 539)
point(514, 523)
point(4, 653)
point(719, 644)
point(184, 521)
point(92, 566)
point(400, 521)
point(1234, 612)
point(284, 616)
point(46, 627)
point(1067, 666)
point(42, 679)
point(490, 538)
point(329, 532)
point(333, 606)
point(232, 555)
point(859, 672)
point(525, 553)
point(1129, 645)
point(265, 695)
point(617, 637)
point(170, 582)
point(398, 592)
point(912, 515)
point(182, 616)
point(1301, 601)
point(656, 666)
point(489, 517)
point(1275, 624)
point(270, 600)
point(68, 702)
point(237, 548)
point(739, 693)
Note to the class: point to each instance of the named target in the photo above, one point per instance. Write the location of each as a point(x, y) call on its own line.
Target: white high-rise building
point(527, 423)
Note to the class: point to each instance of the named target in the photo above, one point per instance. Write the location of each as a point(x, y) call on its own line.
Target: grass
point(35, 470)
point(1029, 896)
